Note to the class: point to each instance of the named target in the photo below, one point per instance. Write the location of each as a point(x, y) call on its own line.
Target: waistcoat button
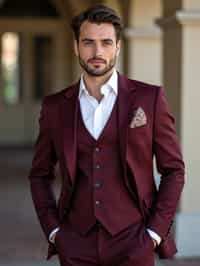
point(97, 185)
point(97, 202)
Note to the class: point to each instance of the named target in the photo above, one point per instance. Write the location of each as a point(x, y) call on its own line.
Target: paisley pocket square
point(139, 118)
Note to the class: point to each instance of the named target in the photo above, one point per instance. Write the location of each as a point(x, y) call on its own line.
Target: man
point(104, 132)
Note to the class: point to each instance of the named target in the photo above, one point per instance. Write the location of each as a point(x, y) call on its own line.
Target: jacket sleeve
point(42, 175)
point(170, 165)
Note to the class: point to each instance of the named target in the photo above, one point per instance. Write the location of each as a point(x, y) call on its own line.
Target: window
point(10, 67)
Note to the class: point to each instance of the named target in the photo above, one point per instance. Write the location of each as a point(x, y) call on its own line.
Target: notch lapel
point(69, 115)
point(125, 105)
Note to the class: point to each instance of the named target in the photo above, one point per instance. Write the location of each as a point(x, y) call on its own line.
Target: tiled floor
point(183, 262)
point(23, 241)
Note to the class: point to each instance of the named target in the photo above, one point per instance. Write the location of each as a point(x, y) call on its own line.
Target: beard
point(95, 72)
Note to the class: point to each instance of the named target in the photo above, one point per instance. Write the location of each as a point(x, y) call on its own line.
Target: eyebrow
point(87, 39)
point(91, 40)
point(107, 40)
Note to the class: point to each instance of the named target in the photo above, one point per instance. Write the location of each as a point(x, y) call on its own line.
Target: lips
point(97, 61)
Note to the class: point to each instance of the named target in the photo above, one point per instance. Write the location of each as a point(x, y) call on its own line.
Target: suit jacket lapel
point(125, 106)
point(69, 115)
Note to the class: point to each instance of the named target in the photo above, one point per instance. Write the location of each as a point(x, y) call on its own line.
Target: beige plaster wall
point(145, 47)
point(145, 55)
point(191, 4)
point(191, 117)
point(144, 12)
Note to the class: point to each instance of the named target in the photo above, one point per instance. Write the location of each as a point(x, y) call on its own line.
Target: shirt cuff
point(53, 233)
point(155, 236)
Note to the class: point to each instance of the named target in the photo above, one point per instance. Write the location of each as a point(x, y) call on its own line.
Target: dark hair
point(97, 14)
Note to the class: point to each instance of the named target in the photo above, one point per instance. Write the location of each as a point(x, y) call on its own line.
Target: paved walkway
point(188, 262)
point(183, 262)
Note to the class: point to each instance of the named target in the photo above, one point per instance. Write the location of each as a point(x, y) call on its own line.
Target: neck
point(94, 84)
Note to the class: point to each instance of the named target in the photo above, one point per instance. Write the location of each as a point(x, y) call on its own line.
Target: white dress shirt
point(95, 115)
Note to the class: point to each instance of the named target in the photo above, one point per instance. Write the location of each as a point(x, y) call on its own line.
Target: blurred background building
point(161, 45)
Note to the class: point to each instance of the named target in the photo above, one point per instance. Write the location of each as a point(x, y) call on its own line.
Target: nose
point(98, 50)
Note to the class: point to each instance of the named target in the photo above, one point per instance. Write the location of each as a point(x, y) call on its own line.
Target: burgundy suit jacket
point(57, 142)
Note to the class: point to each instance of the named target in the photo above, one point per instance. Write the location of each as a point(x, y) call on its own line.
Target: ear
point(118, 47)
point(76, 48)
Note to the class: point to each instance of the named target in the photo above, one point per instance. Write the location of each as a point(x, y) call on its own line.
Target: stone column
point(181, 62)
point(63, 67)
point(144, 41)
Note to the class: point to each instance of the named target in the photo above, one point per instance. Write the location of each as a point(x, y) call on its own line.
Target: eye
point(107, 42)
point(88, 42)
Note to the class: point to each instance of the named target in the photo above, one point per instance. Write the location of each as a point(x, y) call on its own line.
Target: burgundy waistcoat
point(100, 193)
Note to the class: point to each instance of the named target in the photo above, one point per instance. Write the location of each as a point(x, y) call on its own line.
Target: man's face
point(97, 48)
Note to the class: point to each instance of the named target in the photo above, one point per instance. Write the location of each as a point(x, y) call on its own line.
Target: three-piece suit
point(108, 195)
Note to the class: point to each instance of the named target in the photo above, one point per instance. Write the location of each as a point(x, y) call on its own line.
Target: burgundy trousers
point(130, 247)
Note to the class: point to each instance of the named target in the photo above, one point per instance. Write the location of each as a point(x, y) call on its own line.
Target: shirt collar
point(111, 84)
